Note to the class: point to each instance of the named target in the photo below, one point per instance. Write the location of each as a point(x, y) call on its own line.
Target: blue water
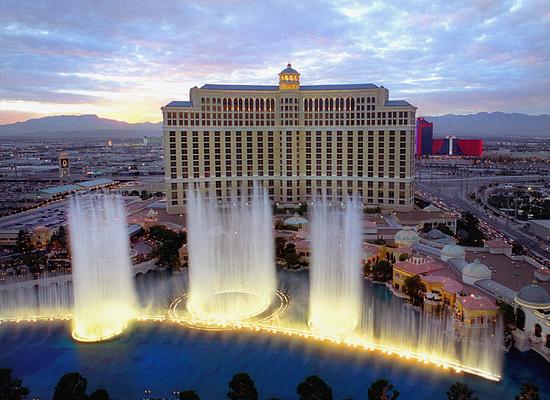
point(162, 357)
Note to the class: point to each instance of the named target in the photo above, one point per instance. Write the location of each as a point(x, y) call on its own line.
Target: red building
point(452, 146)
point(424, 137)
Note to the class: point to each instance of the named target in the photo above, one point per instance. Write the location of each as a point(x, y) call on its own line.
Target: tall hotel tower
point(300, 142)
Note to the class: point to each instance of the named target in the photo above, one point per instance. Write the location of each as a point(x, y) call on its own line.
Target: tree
point(188, 395)
point(168, 244)
point(445, 229)
point(99, 394)
point(23, 242)
point(242, 388)
point(528, 392)
point(59, 238)
point(71, 386)
point(145, 195)
point(460, 391)
point(382, 271)
point(403, 256)
point(469, 233)
point(517, 249)
point(380, 390)
point(280, 243)
point(415, 289)
point(10, 387)
point(314, 388)
point(290, 255)
point(367, 268)
point(508, 314)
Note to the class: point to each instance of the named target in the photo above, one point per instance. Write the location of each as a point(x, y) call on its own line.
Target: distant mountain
point(491, 124)
point(470, 125)
point(63, 125)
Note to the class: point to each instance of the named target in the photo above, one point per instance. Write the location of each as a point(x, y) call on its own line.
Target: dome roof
point(289, 70)
point(296, 220)
point(534, 294)
point(477, 270)
point(453, 251)
point(406, 236)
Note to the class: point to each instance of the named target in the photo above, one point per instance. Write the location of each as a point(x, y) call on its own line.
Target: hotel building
point(298, 141)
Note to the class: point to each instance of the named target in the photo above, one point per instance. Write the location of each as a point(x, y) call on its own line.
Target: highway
point(452, 191)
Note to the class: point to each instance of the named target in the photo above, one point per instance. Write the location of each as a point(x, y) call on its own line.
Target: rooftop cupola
point(289, 79)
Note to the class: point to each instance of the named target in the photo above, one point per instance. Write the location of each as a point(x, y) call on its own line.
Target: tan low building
point(418, 218)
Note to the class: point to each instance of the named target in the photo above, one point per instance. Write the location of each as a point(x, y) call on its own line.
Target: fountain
point(231, 257)
point(104, 294)
point(231, 284)
point(335, 274)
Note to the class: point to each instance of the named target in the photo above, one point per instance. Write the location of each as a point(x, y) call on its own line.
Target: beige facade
point(299, 142)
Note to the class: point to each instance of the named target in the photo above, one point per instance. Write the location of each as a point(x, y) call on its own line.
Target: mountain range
point(469, 125)
point(89, 125)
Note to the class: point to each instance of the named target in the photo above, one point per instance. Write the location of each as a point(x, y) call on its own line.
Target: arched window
point(235, 104)
point(520, 319)
point(326, 105)
point(538, 330)
point(257, 105)
point(368, 99)
point(352, 104)
point(305, 105)
point(261, 104)
point(240, 104)
point(316, 104)
point(224, 104)
point(246, 104)
point(320, 104)
point(331, 107)
point(337, 104)
point(347, 104)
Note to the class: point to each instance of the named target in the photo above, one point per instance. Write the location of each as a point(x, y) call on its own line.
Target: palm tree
point(528, 392)
point(10, 387)
point(414, 288)
point(242, 388)
point(188, 395)
point(314, 388)
point(71, 386)
point(460, 391)
point(380, 389)
point(100, 394)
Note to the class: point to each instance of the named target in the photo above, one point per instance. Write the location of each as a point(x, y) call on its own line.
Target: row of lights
point(292, 332)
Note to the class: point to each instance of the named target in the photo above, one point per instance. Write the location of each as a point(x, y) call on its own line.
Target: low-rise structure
point(475, 309)
point(420, 218)
point(541, 228)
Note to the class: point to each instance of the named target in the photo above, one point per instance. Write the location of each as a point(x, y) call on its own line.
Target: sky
point(125, 59)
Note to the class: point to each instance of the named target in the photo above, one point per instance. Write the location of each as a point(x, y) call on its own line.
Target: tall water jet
point(104, 293)
point(335, 273)
point(231, 257)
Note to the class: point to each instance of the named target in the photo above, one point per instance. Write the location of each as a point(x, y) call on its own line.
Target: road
point(451, 194)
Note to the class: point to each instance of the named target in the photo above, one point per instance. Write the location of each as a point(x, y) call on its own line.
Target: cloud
point(125, 59)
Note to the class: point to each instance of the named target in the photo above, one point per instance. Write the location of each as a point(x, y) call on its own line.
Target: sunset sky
point(125, 59)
